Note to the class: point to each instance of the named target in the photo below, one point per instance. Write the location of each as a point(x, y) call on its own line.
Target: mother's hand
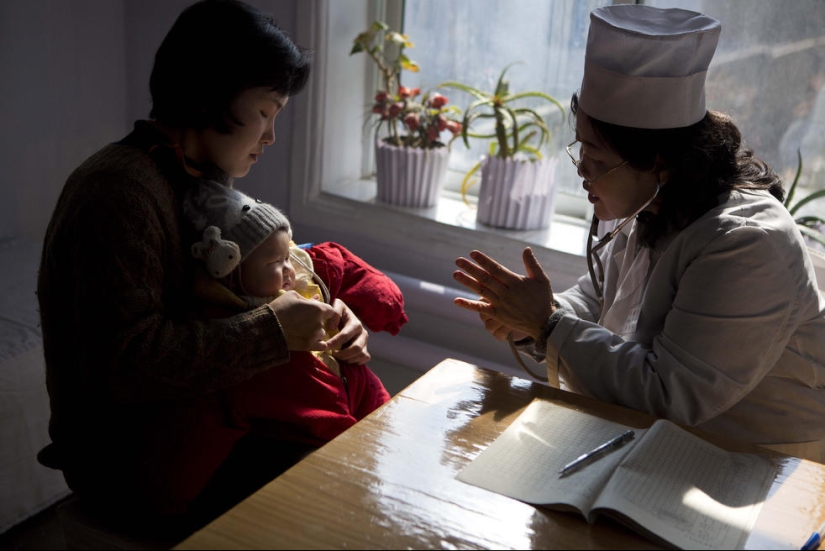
point(351, 337)
point(302, 320)
point(507, 299)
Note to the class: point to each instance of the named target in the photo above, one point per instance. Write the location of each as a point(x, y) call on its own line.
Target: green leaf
point(791, 191)
point(529, 136)
point(484, 115)
point(534, 94)
point(466, 184)
point(379, 26)
point(807, 199)
point(467, 122)
point(464, 88)
point(452, 109)
point(813, 234)
point(809, 221)
point(506, 150)
point(408, 64)
point(477, 104)
point(531, 150)
point(357, 47)
point(400, 39)
point(365, 37)
point(538, 122)
point(502, 86)
point(474, 135)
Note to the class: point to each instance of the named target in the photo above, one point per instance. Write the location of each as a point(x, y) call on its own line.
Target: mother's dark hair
point(215, 50)
point(703, 160)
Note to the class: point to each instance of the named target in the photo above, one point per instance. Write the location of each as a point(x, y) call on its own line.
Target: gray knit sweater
point(115, 292)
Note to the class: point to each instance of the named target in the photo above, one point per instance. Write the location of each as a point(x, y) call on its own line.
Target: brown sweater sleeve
point(115, 293)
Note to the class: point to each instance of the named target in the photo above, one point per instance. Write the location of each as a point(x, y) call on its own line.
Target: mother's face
point(236, 152)
point(616, 190)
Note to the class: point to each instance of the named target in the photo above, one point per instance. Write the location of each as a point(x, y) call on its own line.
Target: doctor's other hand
point(518, 302)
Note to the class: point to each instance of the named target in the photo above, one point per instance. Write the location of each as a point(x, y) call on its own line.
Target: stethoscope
point(592, 250)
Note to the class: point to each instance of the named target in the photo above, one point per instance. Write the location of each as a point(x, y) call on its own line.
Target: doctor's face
point(614, 188)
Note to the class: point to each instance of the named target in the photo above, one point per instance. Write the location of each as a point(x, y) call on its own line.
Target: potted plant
point(411, 159)
point(812, 227)
point(517, 181)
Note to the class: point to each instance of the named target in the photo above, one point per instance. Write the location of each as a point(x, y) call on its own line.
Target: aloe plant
point(517, 130)
point(807, 224)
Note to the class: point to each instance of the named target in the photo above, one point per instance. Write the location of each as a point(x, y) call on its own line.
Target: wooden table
point(389, 482)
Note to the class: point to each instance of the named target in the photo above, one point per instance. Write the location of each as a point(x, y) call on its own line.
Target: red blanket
point(371, 295)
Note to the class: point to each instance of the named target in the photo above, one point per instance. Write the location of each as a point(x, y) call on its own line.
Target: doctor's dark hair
point(703, 161)
point(215, 50)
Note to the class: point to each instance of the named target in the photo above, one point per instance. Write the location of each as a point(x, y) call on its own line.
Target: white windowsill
point(565, 234)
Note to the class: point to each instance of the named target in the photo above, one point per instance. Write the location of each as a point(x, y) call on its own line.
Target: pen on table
point(815, 539)
point(610, 445)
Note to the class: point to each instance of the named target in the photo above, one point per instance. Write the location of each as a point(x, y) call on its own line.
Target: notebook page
point(524, 461)
point(688, 491)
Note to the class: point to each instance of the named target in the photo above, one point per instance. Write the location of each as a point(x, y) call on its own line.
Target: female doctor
point(701, 306)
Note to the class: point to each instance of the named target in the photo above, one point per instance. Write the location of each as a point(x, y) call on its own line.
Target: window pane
point(472, 41)
point(768, 72)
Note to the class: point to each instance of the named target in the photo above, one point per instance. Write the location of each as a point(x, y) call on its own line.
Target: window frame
point(403, 240)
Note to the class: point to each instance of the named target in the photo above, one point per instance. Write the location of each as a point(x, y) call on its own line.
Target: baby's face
point(267, 270)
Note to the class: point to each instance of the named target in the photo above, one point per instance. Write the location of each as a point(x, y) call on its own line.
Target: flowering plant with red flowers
point(410, 118)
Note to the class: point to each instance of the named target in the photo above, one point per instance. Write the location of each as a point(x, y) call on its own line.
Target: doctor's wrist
point(546, 330)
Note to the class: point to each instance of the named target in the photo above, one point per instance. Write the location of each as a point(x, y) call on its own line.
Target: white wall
point(74, 75)
point(63, 91)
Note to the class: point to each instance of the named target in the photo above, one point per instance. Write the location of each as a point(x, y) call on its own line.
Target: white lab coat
point(726, 331)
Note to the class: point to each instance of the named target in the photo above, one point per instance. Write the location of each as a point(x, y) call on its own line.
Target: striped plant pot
point(409, 176)
point(517, 195)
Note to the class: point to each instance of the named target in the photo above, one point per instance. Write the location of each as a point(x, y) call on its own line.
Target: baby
point(247, 258)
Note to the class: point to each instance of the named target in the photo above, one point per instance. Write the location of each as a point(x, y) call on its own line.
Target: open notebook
point(666, 483)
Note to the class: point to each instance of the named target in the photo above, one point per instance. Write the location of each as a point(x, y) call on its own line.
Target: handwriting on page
point(694, 488)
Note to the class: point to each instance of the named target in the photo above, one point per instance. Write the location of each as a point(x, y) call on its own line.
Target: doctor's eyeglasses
point(594, 262)
point(574, 150)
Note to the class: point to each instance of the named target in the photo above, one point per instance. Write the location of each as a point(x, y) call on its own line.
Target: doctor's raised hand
point(508, 302)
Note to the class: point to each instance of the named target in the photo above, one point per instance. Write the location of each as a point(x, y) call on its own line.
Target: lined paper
point(667, 481)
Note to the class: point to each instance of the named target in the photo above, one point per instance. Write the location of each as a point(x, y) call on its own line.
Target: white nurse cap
point(645, 67)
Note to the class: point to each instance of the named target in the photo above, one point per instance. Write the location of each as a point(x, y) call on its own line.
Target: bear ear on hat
point(220, 256)
point(645, 67)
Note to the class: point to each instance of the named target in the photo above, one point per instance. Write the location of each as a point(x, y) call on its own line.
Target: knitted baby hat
point(232, 224)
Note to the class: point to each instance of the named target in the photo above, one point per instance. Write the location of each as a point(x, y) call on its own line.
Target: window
point(768, 73)
point(545, 39)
